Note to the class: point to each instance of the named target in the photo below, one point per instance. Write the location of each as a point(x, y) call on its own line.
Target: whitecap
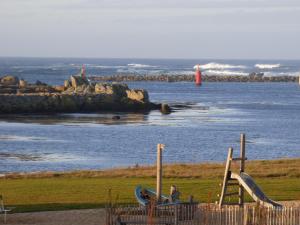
point(137, 65)
point(225, 73)
point(181, 72)
point(214, 65)
point(274, 74)
point(25, 138)
point(267, 66)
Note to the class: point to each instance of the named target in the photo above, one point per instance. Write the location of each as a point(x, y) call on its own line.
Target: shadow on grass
point(57, 207)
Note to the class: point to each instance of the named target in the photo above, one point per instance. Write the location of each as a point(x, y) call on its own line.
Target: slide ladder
point(243, 181)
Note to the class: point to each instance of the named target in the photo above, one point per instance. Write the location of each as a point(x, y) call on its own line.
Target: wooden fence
point(193, 214)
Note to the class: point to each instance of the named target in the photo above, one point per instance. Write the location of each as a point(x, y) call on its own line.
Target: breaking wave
point(225, 73)
point(267, 66)
point(213, 65)
point(274, 74)
point(137, 65)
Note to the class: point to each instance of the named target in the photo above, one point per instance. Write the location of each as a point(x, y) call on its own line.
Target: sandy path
point(70, 217)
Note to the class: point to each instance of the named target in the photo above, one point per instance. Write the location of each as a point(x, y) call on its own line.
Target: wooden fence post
point(242, 167)
point(160, 147)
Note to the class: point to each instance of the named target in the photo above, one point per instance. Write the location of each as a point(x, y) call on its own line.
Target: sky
point(219, 29)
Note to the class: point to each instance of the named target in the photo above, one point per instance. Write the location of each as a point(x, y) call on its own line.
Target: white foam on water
point(225, 73)
point(137, 65)
point(267, 66)
point(214, 65)
point(107, 67)
point(181, 72)
point(25, 138)
point(274, 74)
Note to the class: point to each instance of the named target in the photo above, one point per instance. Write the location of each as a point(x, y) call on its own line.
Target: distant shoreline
point(191, 78)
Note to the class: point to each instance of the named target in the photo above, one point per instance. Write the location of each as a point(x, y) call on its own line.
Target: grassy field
point(280, 179)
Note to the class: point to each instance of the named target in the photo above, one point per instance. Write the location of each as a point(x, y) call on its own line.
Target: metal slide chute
point(253, 190)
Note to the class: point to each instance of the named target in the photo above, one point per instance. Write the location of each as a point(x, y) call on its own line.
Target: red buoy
point(198, 79)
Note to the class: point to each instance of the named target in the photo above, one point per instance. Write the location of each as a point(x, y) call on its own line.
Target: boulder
point(85, 89)
point(165, 109)
point(40, 83)
point(119, 90)
point(9, 80)
point(103, 89)
point(78, 81)
point(22, 83)
point(138, 95)
point(59, 88)
point(115, 89)
point(67, 84)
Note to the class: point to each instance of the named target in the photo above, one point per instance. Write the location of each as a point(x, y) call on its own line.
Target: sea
point(217, 113)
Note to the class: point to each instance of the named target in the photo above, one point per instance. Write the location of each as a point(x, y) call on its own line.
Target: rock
point(103, 89)
point(22, 83)
point(83, 97)
point(59, 88)
point(116, 117)
point(69, 104)
point(138, 95)
point(67, 84)
point(40, 83)
point(165, 109)
point(9, 80)
point(116, 90)
point(119, 90)
point(85, 89)
point(78, 81)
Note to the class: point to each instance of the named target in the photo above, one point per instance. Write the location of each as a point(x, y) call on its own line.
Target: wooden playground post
point(225, 180)
point(242, 167)
point(160, 147)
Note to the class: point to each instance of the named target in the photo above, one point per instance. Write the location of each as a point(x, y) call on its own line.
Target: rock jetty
point(253, 77)
point(77, 94)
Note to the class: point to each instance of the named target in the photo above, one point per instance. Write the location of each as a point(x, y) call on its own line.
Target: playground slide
point(254, 191)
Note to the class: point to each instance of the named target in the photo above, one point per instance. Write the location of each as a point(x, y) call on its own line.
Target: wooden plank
point(242, 167)
point(225, 180)
point(231, 194)
point(160, 147)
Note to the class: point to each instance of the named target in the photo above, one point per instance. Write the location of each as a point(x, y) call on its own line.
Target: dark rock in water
point(76, 95)
point(256, 76)
point(116, 117)
point(40, 83)
point(165, 109)
point(9, 80)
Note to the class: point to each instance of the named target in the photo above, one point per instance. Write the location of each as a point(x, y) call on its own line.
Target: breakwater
point(191, 78)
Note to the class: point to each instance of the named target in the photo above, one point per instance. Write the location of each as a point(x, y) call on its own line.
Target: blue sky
point(228, 29)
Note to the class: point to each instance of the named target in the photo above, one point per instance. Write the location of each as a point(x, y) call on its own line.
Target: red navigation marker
point(198, 79)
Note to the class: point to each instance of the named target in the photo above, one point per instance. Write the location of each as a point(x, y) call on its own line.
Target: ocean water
point(56, 70)
point(269, 114)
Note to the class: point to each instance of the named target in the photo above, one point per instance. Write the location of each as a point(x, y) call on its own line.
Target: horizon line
point(147, 58)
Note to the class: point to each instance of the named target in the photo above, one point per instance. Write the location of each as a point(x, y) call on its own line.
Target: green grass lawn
point(57, 193)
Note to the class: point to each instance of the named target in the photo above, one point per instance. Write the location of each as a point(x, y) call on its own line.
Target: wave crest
point(225, 73)
point(214, 65)
point(267, 66)
point(137, 65)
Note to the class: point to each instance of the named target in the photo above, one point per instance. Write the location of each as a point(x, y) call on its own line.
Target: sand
point(73, 217)
point(69, 217)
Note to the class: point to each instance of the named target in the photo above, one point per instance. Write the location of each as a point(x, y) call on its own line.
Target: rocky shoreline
point(254, 77)
point(77, 94)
